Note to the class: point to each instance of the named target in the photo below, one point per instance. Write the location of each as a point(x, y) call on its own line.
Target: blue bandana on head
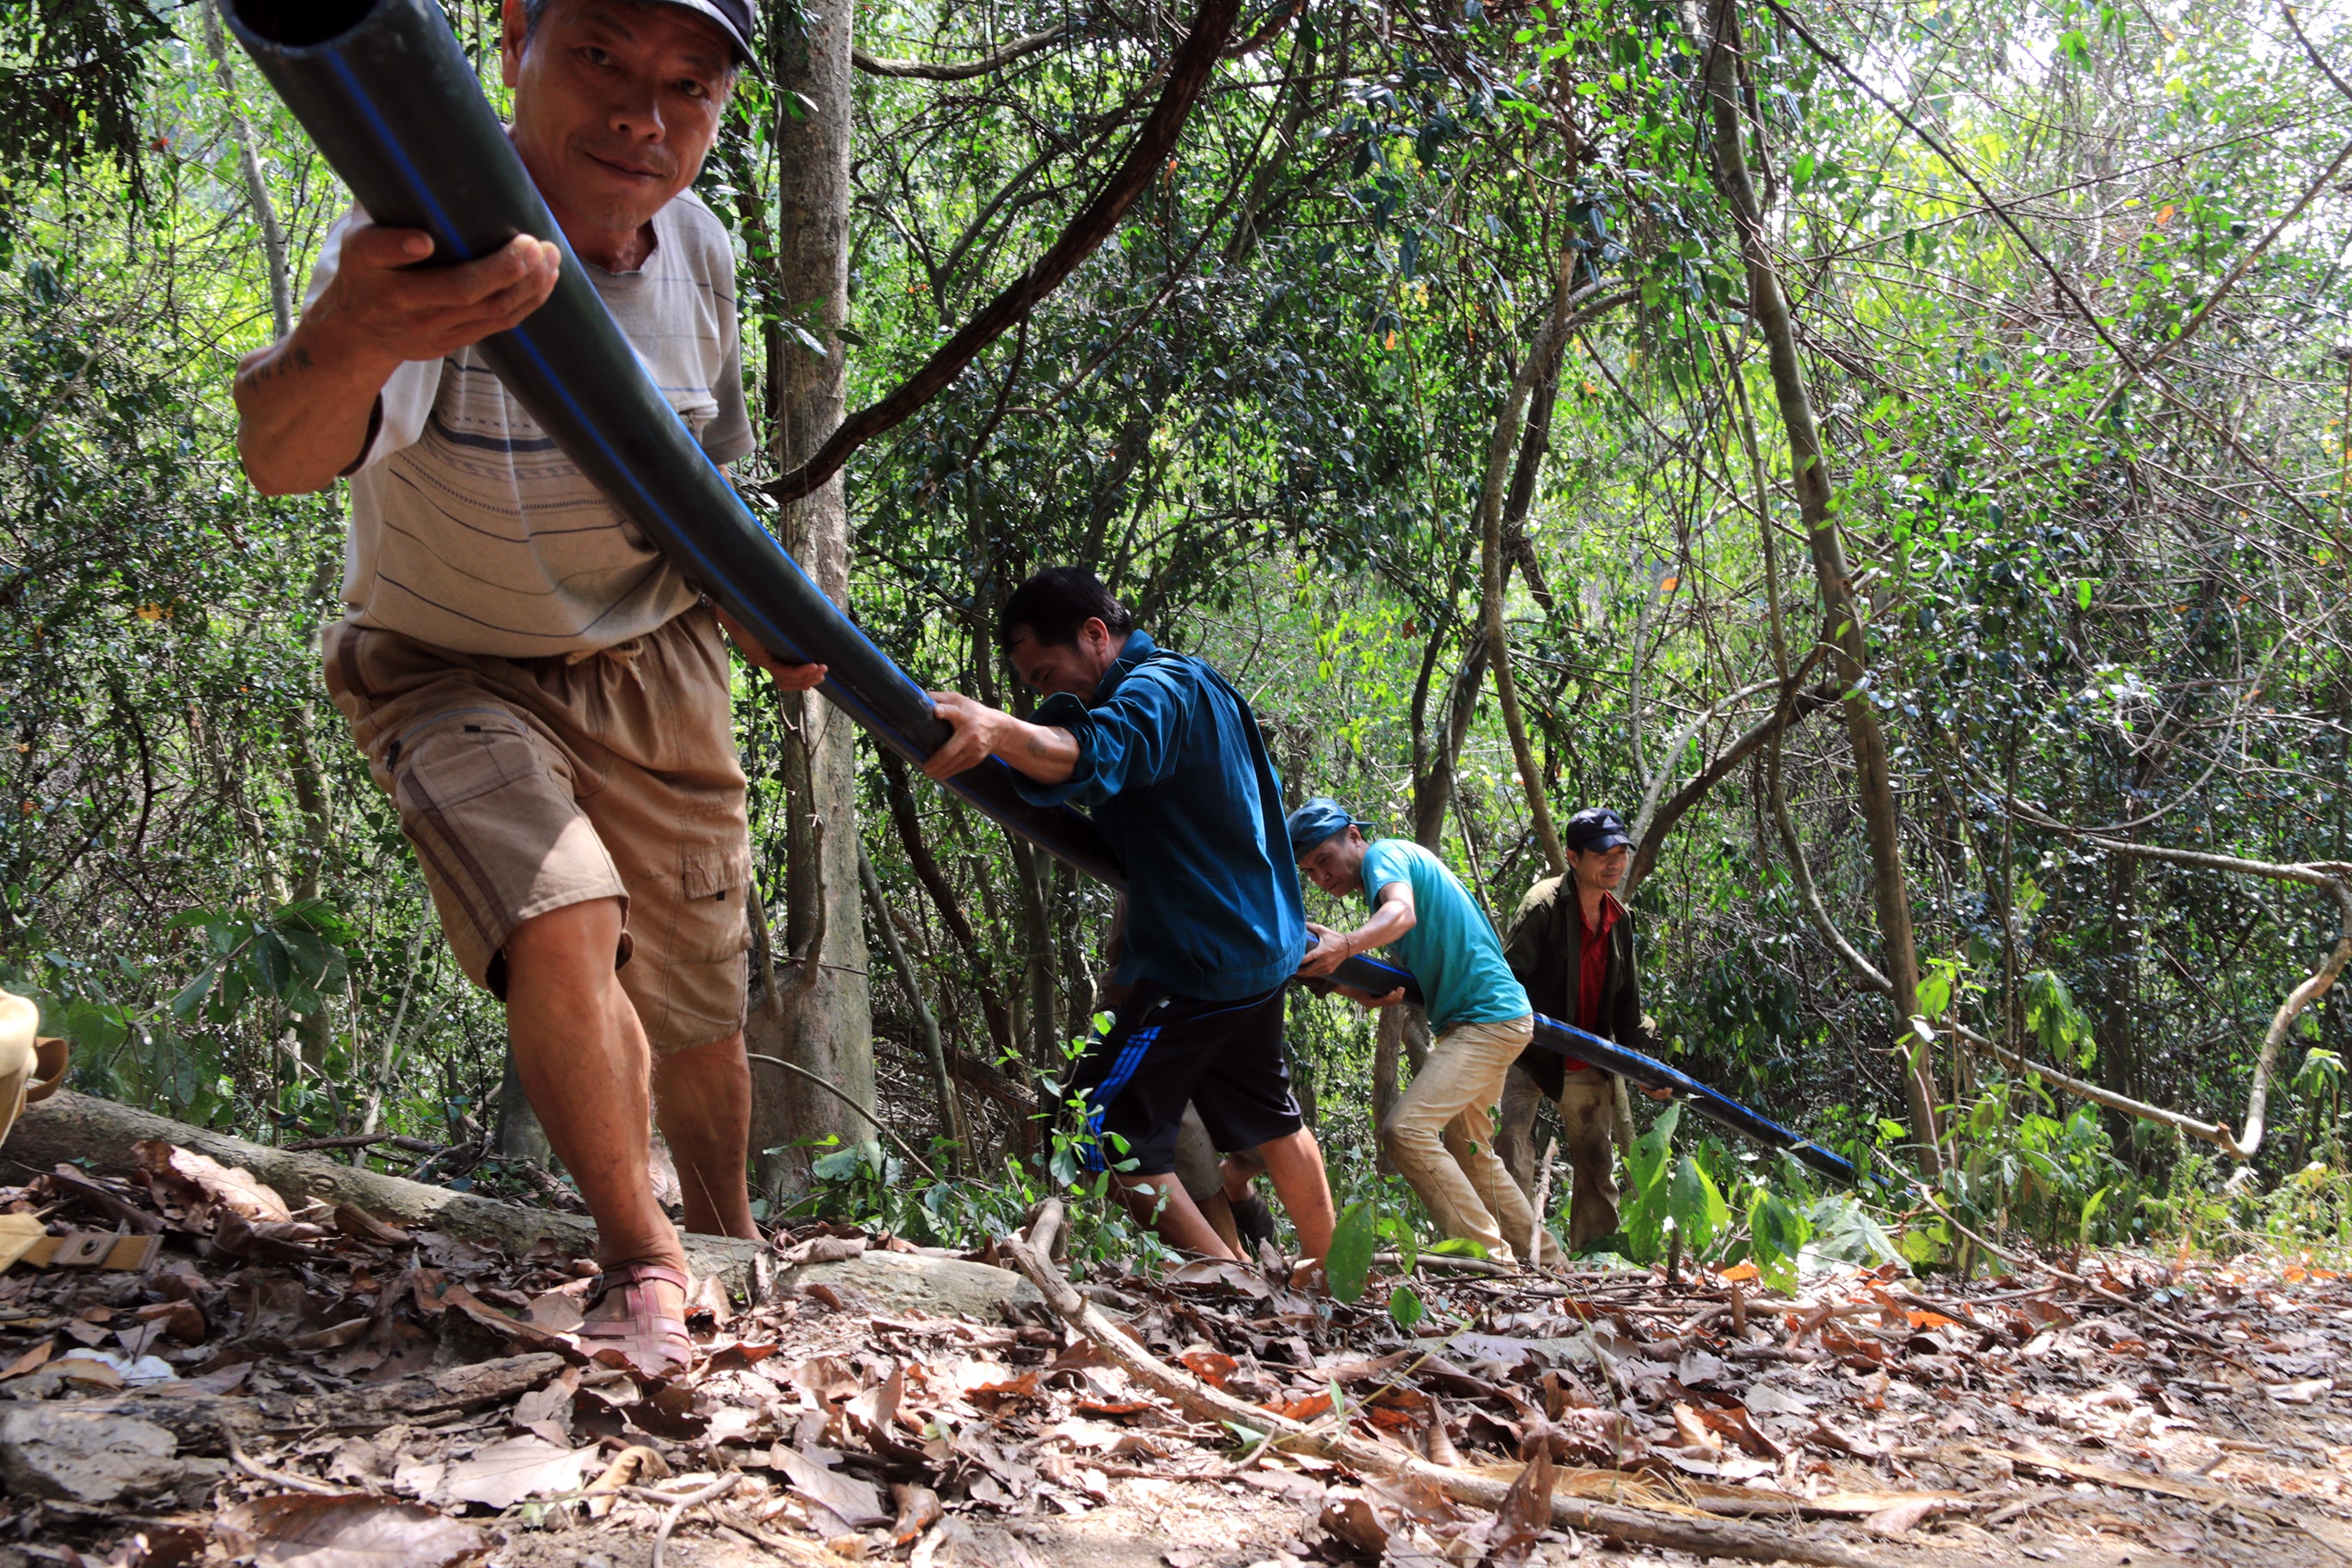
point(1315, 821)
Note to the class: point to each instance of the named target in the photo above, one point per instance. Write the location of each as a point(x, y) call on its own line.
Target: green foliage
point(1349, 1260)
point(295, 956)
point(74, 82)
point(1264, 411)
point(1406, 1309)
point(2061, 1027)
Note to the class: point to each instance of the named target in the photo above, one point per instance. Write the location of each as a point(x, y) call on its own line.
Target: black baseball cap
point(1593, 829)
point(734, 17)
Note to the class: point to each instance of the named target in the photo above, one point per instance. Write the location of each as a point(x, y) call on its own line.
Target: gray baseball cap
point(733, 15)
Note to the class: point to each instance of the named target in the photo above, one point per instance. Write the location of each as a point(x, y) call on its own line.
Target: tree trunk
point(256, 191)
point(103, 1136)
point(926, 1021)
point(927, 871)
point(1538, 365)
point(820, 1015)
point(1850, 647)
point(1037, 959)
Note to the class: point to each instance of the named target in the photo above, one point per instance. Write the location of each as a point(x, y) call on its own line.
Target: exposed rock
point(85, 1456)
point(911, 1281)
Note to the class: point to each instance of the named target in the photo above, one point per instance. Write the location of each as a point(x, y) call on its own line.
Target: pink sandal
point(640, 1337)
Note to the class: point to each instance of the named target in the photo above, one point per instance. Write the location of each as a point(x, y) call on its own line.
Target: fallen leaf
point(515, 1328)
point(1212, 1367)
point(919, 1509)
point(360, 1225)
point(993, 1397)
point(558, 1311)
point(1904, 1517)
point(183, 1320)
point(825, 1249)
point(1302, 1409)
point(311, 1530)
point(159, 1546)
point(856, 1501)
point(821, 1378)
point(30, 1359)
point(201, 1183)
point(875, 1408)
point(333, 1337)
point(630, 1465)
point(1695, 1435)
point(1234, 1276)
point(1764, 1400)
point(501, 1475)
point(266, 1241)
point(548, 1411)
point(1351, 1517)
point(1526, 1511)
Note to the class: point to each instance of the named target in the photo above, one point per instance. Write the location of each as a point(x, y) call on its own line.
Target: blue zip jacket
point(1171, 768)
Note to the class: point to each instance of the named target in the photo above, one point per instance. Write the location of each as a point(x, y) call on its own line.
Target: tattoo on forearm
point(279, 366)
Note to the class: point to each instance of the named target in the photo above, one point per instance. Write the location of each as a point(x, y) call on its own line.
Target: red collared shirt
point(1593, 970)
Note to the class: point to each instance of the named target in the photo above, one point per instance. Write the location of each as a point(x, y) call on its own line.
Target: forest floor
point(317, 1389)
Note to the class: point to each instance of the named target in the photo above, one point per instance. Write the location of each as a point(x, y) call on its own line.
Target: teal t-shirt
point(1452, 948)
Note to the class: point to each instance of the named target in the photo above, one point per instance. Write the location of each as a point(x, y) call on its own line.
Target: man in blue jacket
point(1167, 758)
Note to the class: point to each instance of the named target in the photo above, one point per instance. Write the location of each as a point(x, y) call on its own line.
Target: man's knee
point(1401, 1137)
point(721, 1062)
point(588, 934)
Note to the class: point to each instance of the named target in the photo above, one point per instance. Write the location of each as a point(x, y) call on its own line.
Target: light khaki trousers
point(1441, 1137)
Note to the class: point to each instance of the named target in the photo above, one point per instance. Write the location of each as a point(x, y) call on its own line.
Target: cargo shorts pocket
point(452, 758)
point(713, 921)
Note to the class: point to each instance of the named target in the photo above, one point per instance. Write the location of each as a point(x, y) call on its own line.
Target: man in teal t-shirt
point(1441, 1133)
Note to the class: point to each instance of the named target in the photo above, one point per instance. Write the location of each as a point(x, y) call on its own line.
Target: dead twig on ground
point(1709, 1537)
point(678, 1505)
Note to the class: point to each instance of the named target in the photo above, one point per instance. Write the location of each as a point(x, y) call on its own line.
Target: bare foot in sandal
point(639, 1322)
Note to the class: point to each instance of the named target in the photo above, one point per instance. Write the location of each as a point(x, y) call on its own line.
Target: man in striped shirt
point(545, 696)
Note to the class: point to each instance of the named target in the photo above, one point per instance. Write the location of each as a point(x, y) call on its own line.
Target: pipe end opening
point(298, 23)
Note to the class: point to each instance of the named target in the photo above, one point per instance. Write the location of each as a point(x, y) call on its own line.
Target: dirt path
point(273, 1383)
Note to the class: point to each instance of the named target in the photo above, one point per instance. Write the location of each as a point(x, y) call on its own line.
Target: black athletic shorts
point(1163, 1051)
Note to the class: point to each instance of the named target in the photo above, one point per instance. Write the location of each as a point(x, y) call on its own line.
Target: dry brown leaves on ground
point(315, 1388)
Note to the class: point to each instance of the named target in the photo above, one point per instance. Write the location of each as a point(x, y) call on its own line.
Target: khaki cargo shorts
point(525, 785)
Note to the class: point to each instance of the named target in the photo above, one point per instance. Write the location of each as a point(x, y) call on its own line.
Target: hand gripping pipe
point(392, 102)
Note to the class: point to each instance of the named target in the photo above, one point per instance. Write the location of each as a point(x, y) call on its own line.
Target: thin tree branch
point(1146, 160)
point(842, 1095)
point(963, 70)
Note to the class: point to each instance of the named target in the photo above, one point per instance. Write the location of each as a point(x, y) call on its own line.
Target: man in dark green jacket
point(1572, 948)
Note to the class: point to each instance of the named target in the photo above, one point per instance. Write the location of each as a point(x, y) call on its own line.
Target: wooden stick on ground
point(1707, 1537)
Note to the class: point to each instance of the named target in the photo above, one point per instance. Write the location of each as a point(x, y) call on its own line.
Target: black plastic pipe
point(392, 102)
point(1369, 974)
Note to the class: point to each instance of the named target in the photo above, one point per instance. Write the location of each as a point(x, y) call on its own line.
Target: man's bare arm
point(304, 403)
point(1038, 751)
point(1395, 916)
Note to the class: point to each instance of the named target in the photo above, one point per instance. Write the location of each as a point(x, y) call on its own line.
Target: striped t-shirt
point(470, 529)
